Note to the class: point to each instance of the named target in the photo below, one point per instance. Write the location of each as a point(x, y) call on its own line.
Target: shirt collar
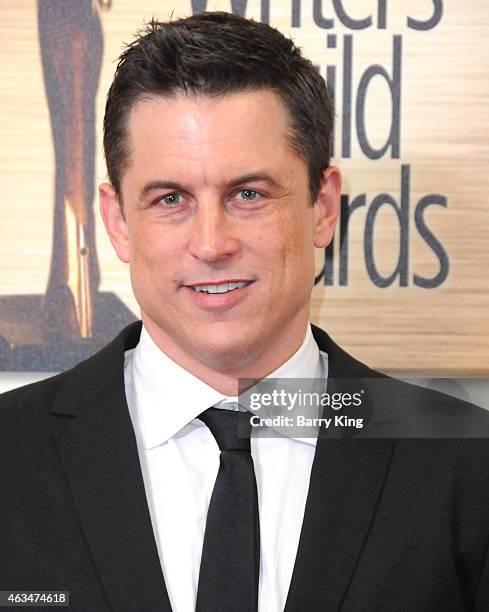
point(168, 397)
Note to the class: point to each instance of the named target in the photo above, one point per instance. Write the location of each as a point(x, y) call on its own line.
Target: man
point(115, 477)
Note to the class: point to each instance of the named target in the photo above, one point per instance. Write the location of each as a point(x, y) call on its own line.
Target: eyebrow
point(263, 177)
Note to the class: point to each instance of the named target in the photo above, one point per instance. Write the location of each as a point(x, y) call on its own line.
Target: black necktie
point(229, 569)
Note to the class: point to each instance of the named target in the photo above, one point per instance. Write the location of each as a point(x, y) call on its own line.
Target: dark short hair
point(214, 54)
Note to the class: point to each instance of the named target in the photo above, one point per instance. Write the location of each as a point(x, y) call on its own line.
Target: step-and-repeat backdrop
point(404, 286)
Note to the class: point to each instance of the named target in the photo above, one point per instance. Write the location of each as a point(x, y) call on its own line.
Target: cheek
point(148, 246)
point(270, 249)
point(285, 247)
point(300, 266)
point(298, 250)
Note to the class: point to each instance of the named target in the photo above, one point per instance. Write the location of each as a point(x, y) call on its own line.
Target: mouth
point(220, 287)
point(218, 297)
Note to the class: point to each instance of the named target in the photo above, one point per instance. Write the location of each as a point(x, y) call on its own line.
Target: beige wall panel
point(444, 139)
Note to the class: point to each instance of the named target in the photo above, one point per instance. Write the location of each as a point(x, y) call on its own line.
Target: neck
point(224, 373)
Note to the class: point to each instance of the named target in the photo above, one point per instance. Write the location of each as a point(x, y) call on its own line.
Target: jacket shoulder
point(85, 378)
point(26, 401)
point(399, 408)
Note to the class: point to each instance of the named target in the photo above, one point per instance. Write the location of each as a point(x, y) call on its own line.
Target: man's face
point(214, 195)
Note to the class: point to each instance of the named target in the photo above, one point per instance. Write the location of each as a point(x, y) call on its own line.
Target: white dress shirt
point(180, 459)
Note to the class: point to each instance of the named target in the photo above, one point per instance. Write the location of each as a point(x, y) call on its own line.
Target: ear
point(327, 207)
point(114, 221)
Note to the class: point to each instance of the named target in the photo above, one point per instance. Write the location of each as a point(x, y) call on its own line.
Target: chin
point(221, 349)
point(224, 346)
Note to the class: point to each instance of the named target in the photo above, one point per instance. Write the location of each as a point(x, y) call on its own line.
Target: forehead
point(206, 134)
point(182, 113)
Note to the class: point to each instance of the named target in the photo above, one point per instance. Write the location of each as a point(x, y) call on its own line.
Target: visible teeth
point(223, 288)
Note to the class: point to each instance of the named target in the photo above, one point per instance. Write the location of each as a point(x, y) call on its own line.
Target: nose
point(213, 233)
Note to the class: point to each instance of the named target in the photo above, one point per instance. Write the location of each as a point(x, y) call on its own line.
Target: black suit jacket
point(390, 524)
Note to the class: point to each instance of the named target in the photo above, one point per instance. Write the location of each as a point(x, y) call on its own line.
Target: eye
point(169, 200)
point(248, 195)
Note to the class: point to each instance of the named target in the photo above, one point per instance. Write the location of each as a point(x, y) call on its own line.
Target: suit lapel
point(346, 483)
point(99, 454)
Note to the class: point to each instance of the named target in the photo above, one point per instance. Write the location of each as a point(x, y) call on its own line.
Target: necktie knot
point(231, 429)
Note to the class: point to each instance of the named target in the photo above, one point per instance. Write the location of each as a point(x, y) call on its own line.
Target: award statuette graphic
point(73, 319)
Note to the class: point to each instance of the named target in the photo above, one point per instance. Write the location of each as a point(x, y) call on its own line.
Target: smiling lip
point(221, 282)
point(219, 301)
